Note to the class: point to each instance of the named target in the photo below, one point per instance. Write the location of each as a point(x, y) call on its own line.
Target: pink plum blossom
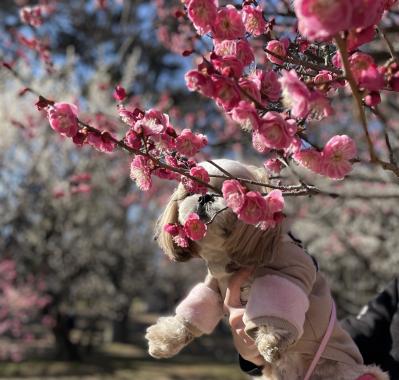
point(275, 132)
point(228, 65)
point(278, 48)
point(253, 20)
point(195, 187)
point(194, 227)
point(366, 13)
point(197, 81)
point(140, 172)
point(337, 154)
point(365, 71)
point(310, 159)
point(358, 37)
point(153, 123)
point(273, 213)
point(320, 106)
point(241, 49)
point(178, 233)
point(250, 89)
point(119, 93)
point(129, 117)
point(228, 24)
point(189, 144)
point(31, 15)
point(273, 165)
point(296, 96)
point(253, 209)
point(246, 115)
point(63, 118)
point(166, 141)
point(258, 143)
point(133, 140)
point(226, 93)
point(101, 141)
point(322, 19)
point(373, 99)
point(244, 52)
point(202, 13)
point(234, 194)
point(268, 84)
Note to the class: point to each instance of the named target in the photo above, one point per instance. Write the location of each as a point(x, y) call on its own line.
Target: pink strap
point(323, 343)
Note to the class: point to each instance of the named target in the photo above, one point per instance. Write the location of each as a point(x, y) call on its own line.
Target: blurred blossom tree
point(308, 90)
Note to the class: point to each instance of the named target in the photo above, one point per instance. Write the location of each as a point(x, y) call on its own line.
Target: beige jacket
point(289, 293)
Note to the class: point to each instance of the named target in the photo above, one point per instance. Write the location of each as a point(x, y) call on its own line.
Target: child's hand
point(243, 343)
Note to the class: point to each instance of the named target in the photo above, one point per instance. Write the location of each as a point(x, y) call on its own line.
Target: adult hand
point(243, 343)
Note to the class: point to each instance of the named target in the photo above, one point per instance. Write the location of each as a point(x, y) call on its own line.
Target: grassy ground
point(123, 362)
point(207, 358)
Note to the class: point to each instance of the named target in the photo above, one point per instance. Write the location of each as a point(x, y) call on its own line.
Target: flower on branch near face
point(273, 214)
point(194, 227)
point(63, 118)
point(140, 172)
point(252, 211)
point(234, 194)
point(189, 144)
point(195, 187)
point(251, 207)
point(178, 233)
point(228, 24)
point(253, 20)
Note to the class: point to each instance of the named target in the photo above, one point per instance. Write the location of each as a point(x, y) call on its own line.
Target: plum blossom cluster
point(321, 19)
point(150, 137)
point(275, 94)
point(252, 207)
point(333, 161)
point(194, 229)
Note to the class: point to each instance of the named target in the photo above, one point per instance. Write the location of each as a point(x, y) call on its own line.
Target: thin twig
point(309, 65)
point(342, 47)
point(388, 43)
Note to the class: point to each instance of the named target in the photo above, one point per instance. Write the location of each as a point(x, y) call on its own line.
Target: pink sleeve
point(203, 308)
point(275, 297)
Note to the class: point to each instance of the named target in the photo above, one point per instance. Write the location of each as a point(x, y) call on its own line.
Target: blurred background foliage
point(80, 234)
